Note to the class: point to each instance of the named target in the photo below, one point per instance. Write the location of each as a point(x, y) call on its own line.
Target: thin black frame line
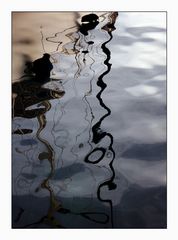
point(166, 120)
point(63, 11)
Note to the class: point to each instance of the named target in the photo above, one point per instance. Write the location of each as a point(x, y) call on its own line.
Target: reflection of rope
point(53, 130)
point(87, 104)
point(54, 205)
point(55, 35)
point(42, 38)
point(88, 215)
point(98, 135)
point(59, 42)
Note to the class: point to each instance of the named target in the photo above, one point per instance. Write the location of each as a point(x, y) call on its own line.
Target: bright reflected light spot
point(142, 90)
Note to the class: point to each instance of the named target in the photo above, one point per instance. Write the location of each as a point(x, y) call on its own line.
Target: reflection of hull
point(30, 92)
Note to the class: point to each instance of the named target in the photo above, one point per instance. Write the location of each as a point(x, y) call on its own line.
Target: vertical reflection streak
point(98, 135)
point(54, 205)
point(42, 39)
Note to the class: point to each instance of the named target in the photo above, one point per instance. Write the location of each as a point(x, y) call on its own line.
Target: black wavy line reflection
point(98, 134)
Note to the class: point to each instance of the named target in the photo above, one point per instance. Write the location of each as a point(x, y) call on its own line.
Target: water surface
point(89, 142)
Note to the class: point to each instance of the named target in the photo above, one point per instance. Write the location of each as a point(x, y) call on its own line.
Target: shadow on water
point(143, 208)
point(139, 208)
point(148, 152)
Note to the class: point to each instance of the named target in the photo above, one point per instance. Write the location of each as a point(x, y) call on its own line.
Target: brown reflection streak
point(42, 39)
point(54, 204)
point(50, 39)
point(27, 93)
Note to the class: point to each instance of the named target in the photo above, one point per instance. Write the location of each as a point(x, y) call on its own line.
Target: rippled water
point(89, 146)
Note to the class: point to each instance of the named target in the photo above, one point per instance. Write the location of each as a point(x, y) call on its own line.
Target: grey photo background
point(57, 140)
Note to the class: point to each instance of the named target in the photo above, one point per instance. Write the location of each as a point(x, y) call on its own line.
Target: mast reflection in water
point(66, 155)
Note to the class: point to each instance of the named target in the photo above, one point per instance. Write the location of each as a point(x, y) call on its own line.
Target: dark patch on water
point(89, 22)
point(30, 92)
point(148, 152)
point(143, 208)
point(26, 142)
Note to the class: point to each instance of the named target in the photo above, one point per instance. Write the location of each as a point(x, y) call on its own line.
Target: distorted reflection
point(76, 155)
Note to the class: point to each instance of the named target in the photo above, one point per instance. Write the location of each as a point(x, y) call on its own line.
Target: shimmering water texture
point(89, 120)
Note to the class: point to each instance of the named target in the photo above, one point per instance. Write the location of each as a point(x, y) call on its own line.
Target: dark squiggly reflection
point(98, 134)
point(50, 156)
